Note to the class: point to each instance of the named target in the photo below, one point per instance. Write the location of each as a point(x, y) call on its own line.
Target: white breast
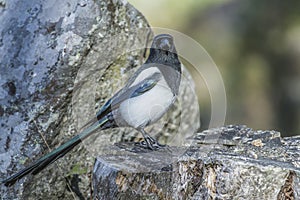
point(149, 107)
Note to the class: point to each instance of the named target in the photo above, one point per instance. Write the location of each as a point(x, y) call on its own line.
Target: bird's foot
point(151, 144)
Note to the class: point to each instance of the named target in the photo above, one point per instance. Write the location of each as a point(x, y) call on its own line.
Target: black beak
point(165, 44)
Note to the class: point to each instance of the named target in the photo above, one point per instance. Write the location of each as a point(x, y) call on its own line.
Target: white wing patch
point(145, 74)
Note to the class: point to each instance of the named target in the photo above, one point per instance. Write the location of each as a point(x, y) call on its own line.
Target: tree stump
point(231, 162)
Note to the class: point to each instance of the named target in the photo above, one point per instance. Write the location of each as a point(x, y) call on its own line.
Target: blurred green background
point(256, 46)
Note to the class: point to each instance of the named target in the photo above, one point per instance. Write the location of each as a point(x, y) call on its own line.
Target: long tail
point(49, 158)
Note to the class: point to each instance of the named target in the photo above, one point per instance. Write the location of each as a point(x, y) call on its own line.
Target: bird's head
point(163, 42)
point(163, 50)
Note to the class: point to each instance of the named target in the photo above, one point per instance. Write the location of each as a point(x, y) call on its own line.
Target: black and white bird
point(145, 98)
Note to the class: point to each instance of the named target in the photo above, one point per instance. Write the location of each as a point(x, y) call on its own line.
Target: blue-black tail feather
point(43, 162)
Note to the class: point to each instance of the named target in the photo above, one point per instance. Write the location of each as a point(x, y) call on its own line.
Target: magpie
point(144, 99)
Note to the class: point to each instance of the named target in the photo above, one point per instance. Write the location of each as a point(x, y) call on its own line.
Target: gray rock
point(255, 165)
point(45, 49)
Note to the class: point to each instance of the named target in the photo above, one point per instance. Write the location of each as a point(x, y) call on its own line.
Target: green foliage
point(77, 169)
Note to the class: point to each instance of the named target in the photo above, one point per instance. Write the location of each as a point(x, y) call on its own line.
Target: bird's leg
point(150, 142)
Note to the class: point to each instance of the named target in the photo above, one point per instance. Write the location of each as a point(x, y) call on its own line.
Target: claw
point(149, 142)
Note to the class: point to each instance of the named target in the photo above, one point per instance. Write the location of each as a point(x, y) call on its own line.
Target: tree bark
point(232, 162)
